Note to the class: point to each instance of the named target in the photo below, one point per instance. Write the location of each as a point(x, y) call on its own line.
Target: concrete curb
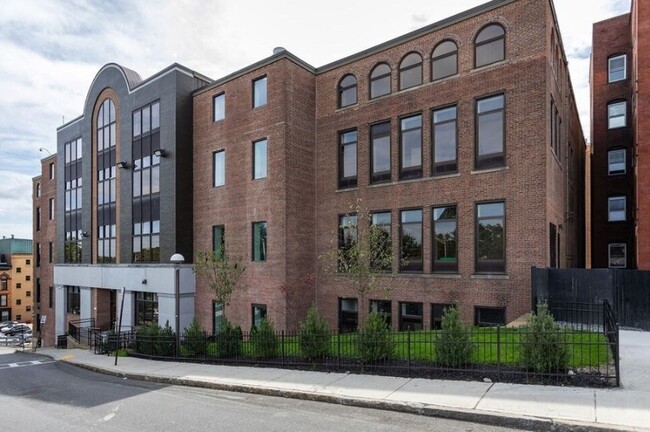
point(540, 424)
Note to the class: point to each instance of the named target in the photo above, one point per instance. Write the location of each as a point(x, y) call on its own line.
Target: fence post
point(499, 352)
point(338, 356)
point(408, 348)
point(282, 342)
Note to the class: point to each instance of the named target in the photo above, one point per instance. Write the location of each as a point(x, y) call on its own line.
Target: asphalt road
point(39, 394)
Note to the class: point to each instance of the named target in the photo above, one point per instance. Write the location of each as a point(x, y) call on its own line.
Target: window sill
point(497, 276)
point(356, 188)
point(490, 65)
point(490, 170)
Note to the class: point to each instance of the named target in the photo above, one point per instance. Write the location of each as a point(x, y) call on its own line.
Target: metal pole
point(119, 326)
point(178, 308)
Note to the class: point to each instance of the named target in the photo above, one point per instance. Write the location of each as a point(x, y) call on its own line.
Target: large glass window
point(490, 125)
point(217, 317)
point(347, 91)
point(219, 168)
point(380, 80)
point(348, 159)
point(219, 107)
point(411, 240)
point(617, 255)
point(380, 152)
point(383, 308)
point(616, 162)
point(381, 244)
point(348, 315)
point(218, 240)
point(491, 239)
point(258, 313)
point(348, 236)
point(260, 162)
point(259, 92)
point(616, 115)
point(490, 45)
point(146, 183)
point(444, 137)
point(445, 246)
point(72, 201)
point(437, 312)
point(616, 68)
point(410, 147)
point(410, 316)
point(259, 241)
point(410, 71)
point(106, 183)
point(444, 60)
point(72, 300)
point(146, 308)
point(616, 209)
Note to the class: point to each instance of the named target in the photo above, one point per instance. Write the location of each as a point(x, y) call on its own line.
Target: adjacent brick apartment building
point(465, 130)
point(16, 283)
point(620, 95)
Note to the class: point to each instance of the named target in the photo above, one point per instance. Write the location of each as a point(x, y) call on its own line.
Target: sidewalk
point(523, 406)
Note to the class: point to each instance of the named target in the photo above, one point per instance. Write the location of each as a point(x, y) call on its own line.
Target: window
point(19, 285)
point(28, 293)
point(259, 92)
point(51, 252)
point(19, 270)
point(489, 316)
point(490, 45)
point(217, 317)
point(445, 247)
point(437, 311)
point(3, 284)
point(556, 130)
point(38, 254)
point(259, 241)
point(72, 300)
point(616, 162)
point(490, 241)
point(3, 300)
point(347, 239)
point(380, 152)
point(218, 240)
point(380, 81)
point(410, 71)
point(383, 308)
point(617, 255)
point(38, 218)
point(51, 206)
point(443, 138)
point(72, 213)
point(146, 308)
point(553, 246)
point(219, 107)
point(381, 243)
point(616, 67)
point(52, 171)
point(28, 278)
point(38, 190)
point(616, 115)
point(490, 126)
point(106, 172)
point(19, 317)
point(411, 147)
point(4, 314)
point(444, 60)
point(410, 316)
point(28, 308)
point(260, 162)
point(347, 91)
point(219, 168)
point(411, 240)
point(50, 300)
point(28, 262)
point(348, 159)
point(348, 315)
point(258, 313)
point(616, 209)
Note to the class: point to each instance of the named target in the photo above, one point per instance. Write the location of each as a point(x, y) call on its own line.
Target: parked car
point(17, 329)
point(7, 325)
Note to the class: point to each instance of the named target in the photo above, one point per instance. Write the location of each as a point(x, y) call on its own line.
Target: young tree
point(222, 272)
point(363, 254)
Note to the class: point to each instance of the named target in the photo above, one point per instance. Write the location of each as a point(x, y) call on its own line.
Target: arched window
point(347, 91)
point(490, 45)
point(106, 186)
point(380, 80)
point(444, 60)
point(410, 71)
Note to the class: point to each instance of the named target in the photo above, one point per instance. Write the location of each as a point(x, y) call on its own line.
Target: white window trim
point(609, 162)
point(609, 208)
point(609, 68)
point(609, 255)
point(610, 117)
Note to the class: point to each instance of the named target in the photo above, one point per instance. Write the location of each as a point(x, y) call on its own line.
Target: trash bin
point(62, 341)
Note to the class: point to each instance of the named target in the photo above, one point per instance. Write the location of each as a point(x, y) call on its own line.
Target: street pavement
point(534, 407)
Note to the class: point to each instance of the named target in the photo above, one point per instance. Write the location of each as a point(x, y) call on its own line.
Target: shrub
point(264, 341)
point(228, 340)
point(154, 340)
point(542, 348)
point(453, 345)
point(314, 336)
point(375, 342)
point(194, 340)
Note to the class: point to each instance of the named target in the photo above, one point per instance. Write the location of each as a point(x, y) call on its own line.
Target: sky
point(51, 50)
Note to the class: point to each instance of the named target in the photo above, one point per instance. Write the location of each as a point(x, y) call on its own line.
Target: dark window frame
point(609, 254)
point(477, 45)
point(349, 181)
point(380, 176)
point(480, 323)
point(405, 326)
point(387, 315)
point(389, 230)
point(402, 69)
point(222, 242)
point(263, 242)
point(263, 314)
point(266, 159)
point(443, 56)
point(373, 79)
point(437, 312)
point(438, 266)
point(345, 318)
point(611, 103)
point(610, 152)
point(490, 160)
point(214, 168)
point(266, 91)
point(409, 267)
point(341, 90)
point(415, 171)
point(490, 266)
point(445, 167)
point(214, 107)
point(609, 208)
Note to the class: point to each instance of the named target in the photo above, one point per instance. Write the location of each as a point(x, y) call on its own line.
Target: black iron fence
point(570, 354)
point(81, 330)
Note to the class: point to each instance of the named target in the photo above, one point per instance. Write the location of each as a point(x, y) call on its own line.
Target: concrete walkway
point(532, 407)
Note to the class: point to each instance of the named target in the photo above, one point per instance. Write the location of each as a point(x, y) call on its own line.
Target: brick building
point(463, 134)
point(16, 284)
point(620, 160)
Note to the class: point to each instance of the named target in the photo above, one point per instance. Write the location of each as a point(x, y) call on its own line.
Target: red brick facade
point(540, 182)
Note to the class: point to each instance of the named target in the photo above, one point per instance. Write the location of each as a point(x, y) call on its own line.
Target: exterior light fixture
point(177, 259)
point(122, 165)
point(161, 152)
